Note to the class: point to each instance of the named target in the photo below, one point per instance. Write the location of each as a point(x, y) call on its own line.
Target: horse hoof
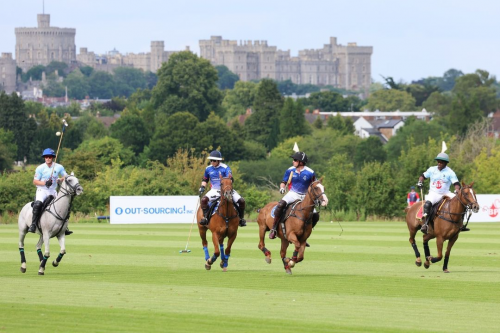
point(268, 260)
point(427, 265)
point(288, 271)
point(55, 263)
point(224, 269)
point(446, 271)
point(418, 263)
point(23, 270)
point(41, 273)
point(208, 267)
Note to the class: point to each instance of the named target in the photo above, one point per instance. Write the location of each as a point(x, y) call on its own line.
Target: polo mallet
point(190, 229)
point(61, 134)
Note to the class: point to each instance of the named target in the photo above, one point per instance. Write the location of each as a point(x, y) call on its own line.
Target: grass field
point(122, 278)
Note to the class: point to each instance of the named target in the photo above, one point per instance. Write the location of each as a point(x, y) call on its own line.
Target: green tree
point(391, 100)
point(8, 149)
point(172, 133)
point(327, 101)
point(78, 84)
point(239, 99)
point(480, 87)
point(340, 182)
point(263, 125)
point(53, 88)
point(187, 83)
point(370, 149)
point(102, 85)
point(131, 130)
point(34, 73)
point(449, 78)
point(106, 150)
point(60, 67)
point(86, 70)
point(486, 172)
point(128, 80)
point(464, 112)
point(227, 79)
point(91, 127)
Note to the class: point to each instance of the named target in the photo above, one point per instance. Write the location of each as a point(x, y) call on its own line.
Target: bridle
point(316, 199)
point(226, 193)
point(469, 204)
point(65, 193)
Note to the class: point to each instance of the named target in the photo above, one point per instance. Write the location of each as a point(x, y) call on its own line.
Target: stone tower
point(157, 55)
point(44, 44)
point(7, 73)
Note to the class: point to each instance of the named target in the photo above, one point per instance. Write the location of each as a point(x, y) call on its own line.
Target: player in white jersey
point(441, 178)
point(212, 173)
point(45, 180)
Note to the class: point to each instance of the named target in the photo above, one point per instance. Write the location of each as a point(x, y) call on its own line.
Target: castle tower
point(44, 44)
point(157, 55)
point(7, 73)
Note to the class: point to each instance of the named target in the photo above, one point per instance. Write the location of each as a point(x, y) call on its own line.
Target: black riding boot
point(241, 205)
point(277, 215)
point(37, 210)
point(427, 212)
point(204, 208)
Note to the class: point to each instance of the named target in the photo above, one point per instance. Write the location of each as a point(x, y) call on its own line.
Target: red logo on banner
point(493, 209)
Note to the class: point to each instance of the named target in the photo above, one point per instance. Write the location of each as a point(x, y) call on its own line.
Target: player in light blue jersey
point(212, 173)
point(441, 178)
point(300, 176)
point(45, 180)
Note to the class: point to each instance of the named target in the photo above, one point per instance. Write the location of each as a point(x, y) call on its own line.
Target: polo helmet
point(443, 157)
point(300, 156)
point(215, 155)
point(49, 152)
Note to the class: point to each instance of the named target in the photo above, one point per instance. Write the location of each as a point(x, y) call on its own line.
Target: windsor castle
point(346, 67)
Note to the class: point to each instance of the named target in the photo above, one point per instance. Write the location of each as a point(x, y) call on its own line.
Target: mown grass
point(122, 278)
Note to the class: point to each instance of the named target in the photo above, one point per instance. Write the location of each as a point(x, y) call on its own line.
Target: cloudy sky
point(411, 39)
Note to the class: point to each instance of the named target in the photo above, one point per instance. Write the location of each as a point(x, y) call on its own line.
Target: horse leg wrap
point(225, 260)
point(294, 255)
point(417, 253)
point(214, 258)
point(266, 251)
point(44, 261)
point(445, 264)
point(426, 249)
point(285, 263)
point(21, 252)
point(40, 255)
point(59, 257)
point(207, 255)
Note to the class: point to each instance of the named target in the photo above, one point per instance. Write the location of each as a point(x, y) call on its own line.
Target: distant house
point(494, 128)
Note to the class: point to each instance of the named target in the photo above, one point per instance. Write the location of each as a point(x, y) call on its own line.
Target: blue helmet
point(215, 155)
point(412, 187)
point(49, 152)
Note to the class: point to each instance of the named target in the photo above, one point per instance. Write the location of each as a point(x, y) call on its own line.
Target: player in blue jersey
point(300, 176)
point(212, 173)
point(46, 179)
point(441, 178)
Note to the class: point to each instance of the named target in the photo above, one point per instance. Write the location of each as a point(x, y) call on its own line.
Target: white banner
point(489, 208)
point(152, 209)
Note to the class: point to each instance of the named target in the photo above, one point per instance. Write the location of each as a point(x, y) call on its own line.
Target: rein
point(467, 209)
point(65, 193)
point(223, 198)
point(315, 200)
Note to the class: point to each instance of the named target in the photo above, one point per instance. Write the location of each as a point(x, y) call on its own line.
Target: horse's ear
point(463, 184)
point(72, 173)
point(471, 184)
point(321, 179)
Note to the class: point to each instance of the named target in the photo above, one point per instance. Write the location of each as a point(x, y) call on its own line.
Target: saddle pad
point(272, 211)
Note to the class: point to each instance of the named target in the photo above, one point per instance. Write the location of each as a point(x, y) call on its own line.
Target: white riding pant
point(214, 194)
point(294, 196)
point(435, 197)
point(43, 193)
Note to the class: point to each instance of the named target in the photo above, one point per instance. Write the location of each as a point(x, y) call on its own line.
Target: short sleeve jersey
point(440, 181)
point(43, 172)
point(212, 173)
point(300, 181)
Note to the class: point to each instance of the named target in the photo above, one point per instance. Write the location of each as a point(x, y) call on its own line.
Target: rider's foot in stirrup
point(204, 221)
point(464, 228)
point(68, 232)
point(32, 228)
point(272, 234)
point(307, 244)
point(424, 229)
point(243, 223)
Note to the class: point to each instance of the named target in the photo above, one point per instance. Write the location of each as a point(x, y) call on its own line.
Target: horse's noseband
point(470, 205)
point(72, 187)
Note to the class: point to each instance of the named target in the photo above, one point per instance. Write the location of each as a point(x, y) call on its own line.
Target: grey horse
point(53, 222)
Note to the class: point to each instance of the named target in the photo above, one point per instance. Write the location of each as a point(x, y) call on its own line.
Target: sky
point(411, 39)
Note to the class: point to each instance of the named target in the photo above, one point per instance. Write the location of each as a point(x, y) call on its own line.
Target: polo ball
point(58, 133)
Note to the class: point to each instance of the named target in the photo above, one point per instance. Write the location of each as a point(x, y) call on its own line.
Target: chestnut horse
point(223, 223)
point(298, 226)
point(446, 224)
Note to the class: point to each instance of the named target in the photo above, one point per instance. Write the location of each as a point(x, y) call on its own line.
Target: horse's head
point(316, 192)
point(73, 185)
point(468, 198)
point(226, 187)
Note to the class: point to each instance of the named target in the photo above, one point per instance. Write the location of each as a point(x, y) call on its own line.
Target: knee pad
point(204, 203)
point(281, 205)
point(241, 203)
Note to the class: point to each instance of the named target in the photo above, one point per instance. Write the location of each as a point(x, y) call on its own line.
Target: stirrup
point(243, 223)
point(424, 229)
point(68, 232)
point(464, 228)
point(204, 221)
point(272, 234)
point(32, 228)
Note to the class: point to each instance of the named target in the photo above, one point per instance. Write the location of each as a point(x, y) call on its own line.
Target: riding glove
point(282, 190)
point(201, 190)
point(48, 183)
point(420, 185)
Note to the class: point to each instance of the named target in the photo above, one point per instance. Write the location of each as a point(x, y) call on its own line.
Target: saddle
point(45, 204)
point(213, 205)
point(434, 210)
